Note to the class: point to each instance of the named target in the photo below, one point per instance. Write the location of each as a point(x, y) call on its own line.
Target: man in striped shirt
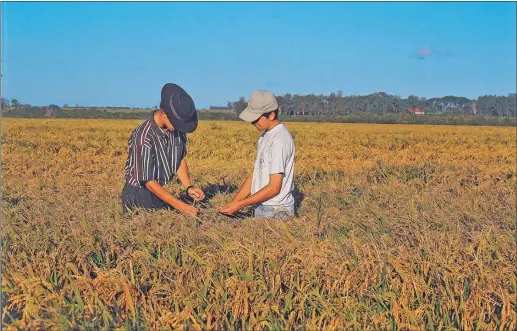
point(156, 153)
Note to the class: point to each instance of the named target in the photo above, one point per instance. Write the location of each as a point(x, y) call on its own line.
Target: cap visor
point(248, 116)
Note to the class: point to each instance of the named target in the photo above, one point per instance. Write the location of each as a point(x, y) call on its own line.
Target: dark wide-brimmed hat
point(179, 108)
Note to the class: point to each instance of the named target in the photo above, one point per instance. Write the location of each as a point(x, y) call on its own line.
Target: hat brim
point(248, 116)
point(185, 127)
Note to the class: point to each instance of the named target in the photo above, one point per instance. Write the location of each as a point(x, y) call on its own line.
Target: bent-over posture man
point(156, 153)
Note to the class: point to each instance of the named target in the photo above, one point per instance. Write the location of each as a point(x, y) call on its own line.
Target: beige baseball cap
point(260, 102)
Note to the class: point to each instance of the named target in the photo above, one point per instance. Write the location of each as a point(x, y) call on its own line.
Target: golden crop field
point(400, 228)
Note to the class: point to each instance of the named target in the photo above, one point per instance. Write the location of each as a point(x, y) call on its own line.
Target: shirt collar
point(273, 129)
point(157, 129)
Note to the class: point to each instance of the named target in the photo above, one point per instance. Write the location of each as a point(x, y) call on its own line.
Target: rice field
point(400, 227)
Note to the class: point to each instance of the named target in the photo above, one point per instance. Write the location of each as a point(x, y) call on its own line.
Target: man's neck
point(159, 123)
point(273, 125)
point(157, 119)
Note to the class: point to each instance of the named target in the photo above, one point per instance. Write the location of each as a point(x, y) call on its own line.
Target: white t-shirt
point(275, 154)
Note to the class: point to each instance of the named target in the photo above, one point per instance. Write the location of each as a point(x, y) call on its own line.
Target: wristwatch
point(188, 188)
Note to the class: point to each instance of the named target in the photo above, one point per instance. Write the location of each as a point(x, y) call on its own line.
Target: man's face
point(166, 123)
point(262, 123)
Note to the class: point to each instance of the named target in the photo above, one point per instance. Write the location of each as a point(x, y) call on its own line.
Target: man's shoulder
point(283, 135)
point(142, 125)
point(142, 134)
point(286, 131)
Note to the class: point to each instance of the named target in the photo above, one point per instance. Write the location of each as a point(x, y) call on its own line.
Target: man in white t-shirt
point(269, 188)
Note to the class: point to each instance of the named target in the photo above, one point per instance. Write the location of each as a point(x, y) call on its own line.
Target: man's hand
point(165, 196)
point(230, 208)
point(196, 193)
point(188, 210)
point(266, 193)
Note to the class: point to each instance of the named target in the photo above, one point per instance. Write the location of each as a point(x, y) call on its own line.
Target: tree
point(512, 107)
point(5, 103)
point(238, 106)
point(15, 103)
point(413, 100)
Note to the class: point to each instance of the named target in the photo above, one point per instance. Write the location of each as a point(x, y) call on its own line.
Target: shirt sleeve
point(144, 164)
point(280, 154)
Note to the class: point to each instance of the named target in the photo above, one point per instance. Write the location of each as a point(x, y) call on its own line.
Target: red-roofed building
point(415, 110)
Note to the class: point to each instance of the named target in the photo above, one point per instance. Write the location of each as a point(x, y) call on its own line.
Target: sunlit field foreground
point(399, 228)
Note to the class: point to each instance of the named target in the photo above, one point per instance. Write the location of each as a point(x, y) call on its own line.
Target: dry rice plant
point(399, 228)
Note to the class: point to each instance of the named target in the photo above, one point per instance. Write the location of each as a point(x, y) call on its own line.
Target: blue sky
point(99, 54)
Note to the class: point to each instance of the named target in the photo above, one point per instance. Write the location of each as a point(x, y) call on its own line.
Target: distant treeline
point(375, 108)
point(54, 111)
point(336, 104)
point(360, 117)
point(386, 118)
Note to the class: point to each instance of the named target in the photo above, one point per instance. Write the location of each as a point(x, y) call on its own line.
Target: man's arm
point(183, 176)
point(245, 189)
point(165, 196)
point(266, 193)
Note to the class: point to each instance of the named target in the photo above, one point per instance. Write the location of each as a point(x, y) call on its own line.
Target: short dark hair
point(274, 111)
point(159, 108)
point(267, 115)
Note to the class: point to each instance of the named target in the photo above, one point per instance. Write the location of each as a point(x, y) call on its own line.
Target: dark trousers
point(135, 197)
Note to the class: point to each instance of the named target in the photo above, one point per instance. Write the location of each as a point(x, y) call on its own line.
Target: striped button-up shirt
point(154, 154)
